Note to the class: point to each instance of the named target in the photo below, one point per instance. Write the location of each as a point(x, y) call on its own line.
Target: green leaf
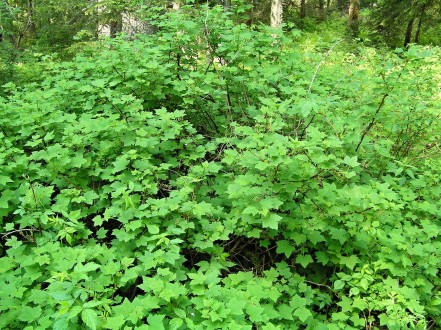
point(250, 210)
point(120, 165)
point(5, 197)
point(77, 161)
point(304, 260)
point(156, 321)
point(315, 237)
point(350, 262)
point(29, 314)
point(115, 322)
point(339, 284)
point(89, 267)
point(271, 221)
point(351, 161)
point(285, 247)
point(49, 136)
point(90, 318)
point(286, 311)
point(262, 166)
point(270, 203)
point(340, 316)
point(180, 313)
point(345, 304)
point(354, 292)
point(255, 313)
point(236, 306)
point(90, 196)
point(175, 323)
point(61, 324)
point(5, 179)
point(339, 234)
point(153, 229)
point(322, 257)
point(359, 303)
point(302, 313)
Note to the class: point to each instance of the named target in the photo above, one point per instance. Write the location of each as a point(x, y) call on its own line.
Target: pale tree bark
point(354, 8)
point(276, 13)
point(31, 17)
point(175, 5)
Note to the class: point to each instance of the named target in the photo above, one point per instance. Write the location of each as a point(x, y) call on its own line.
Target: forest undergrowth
point(217, 176)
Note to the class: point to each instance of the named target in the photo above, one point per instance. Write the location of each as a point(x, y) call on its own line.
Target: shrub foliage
point(213, 176)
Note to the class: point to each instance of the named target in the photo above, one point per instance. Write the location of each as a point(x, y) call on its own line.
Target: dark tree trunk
point(115, 26)
point(408, 35)
point(420, 21)
point(342, 5)
point(322, 8)
point(302, 8)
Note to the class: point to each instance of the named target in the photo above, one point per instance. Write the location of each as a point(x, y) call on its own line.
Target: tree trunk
point(276, 13)
point(31, 17)
point(175, 5)
point(302, 8)
point(420, 21)
point(353, 24)
point(354, 8)
point(321, 9)
point(115, 25)
point(341, 5)
point(408, 35)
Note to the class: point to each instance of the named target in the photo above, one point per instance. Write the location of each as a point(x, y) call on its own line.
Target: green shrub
point(211, 176)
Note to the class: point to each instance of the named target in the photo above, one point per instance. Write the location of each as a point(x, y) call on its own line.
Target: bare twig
point(323, 286)
point(321, 63)
point(372, 122)
point(380, 106)
point(18, 231)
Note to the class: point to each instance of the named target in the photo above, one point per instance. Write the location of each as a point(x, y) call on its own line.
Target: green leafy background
point(213, 176)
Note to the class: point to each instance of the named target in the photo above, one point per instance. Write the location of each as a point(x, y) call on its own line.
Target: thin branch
point(372, 122)
point(18, 231)
point(323, 286)
point(321, 63)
